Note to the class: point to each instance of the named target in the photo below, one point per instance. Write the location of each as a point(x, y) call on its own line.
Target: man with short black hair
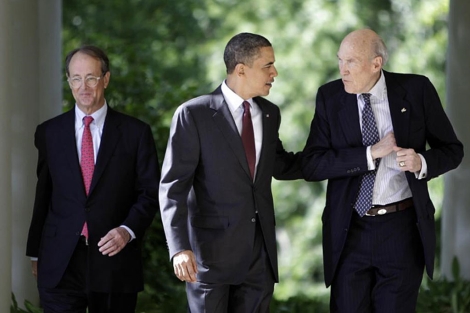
point(215, 192)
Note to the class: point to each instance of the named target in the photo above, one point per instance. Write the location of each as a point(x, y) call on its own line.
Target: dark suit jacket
point(124, 191)
point(207, 197)
point(334, 151)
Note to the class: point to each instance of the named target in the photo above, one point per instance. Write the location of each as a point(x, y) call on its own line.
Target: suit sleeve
point(43, 194)
point(322, 158)
point(179, 166)
point(147, 167)
point(445, 150)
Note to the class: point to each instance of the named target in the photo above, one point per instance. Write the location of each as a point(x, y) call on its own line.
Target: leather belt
point(389, 208)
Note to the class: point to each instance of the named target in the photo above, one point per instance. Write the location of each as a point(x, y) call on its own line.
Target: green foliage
point(445, 296)
point(299, 304)
point(153, 67)
point(30, 308)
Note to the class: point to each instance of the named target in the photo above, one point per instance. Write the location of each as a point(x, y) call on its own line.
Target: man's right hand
point(384, 147)
point(34, 268)
point(184, 264)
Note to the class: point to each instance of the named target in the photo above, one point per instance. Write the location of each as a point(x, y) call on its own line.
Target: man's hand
point(114, 241)
point(382, 148)
point(408, 160)
point(34, 268)
point(184, 264)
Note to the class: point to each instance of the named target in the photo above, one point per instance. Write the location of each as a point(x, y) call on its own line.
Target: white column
point(5, 157)
point(36, 95)
point(456, 215)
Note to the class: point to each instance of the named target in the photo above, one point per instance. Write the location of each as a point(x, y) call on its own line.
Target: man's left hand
point(408, 160)
point(114, 241)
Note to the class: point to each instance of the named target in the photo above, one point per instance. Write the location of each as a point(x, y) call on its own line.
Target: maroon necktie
point(248, 138)
point(87, 162)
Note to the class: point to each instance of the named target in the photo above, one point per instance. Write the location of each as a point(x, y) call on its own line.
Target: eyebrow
point(268, 64)
point(86, 75)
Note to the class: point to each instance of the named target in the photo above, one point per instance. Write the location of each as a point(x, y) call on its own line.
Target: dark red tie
point(87, 162)
point(248, 138)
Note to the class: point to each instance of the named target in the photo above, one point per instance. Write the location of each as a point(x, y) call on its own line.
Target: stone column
point(455, 212)
point(36, 96)
point(5, 157)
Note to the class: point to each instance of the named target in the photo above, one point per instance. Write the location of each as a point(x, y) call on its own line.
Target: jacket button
point(253, 219)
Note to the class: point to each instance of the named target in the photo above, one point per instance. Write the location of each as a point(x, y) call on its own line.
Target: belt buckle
point(381, 212)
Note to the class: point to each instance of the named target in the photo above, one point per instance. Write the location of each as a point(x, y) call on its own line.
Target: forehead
point(354, 49)
point(265, 55)
point(83, 63)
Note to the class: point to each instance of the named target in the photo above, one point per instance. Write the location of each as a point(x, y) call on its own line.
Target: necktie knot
point(246, 107)
point(366, 97)
point(87, 120)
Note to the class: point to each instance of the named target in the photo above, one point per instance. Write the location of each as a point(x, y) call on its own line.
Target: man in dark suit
point(378, 221)
point(215, 192)
point(96, 194)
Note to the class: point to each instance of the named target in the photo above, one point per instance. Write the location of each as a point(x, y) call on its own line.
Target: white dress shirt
point(390, 182)
point(235, 105)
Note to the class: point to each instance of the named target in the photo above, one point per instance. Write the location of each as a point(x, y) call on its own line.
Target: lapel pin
point(403, 110)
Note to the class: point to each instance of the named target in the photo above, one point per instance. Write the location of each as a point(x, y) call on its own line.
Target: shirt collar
point(98, 116)
point(380, 88)
point(233, 100)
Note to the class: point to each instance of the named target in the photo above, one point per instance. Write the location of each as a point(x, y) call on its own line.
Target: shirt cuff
point(370, 160)
point(33, 259)
point(129, 231)
point(424, 168)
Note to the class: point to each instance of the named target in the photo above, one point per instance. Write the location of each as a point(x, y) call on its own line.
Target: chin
point(350, 90)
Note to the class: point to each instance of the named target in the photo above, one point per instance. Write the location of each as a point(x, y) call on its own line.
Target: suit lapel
point(69, 146)
point(349, 120)
point(224, 121)
point(109, 139)
point(399, 110)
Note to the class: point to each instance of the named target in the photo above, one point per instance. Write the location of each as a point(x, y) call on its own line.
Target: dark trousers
point(381, 266)
point(252, 296)
point(72, 295)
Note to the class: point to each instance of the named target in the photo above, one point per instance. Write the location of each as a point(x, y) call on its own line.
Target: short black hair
point(243, 48)
point(92, 51)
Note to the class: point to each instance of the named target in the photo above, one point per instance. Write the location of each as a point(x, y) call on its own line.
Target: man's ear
point(240, 69)
point(106, 78)
point(378, 63)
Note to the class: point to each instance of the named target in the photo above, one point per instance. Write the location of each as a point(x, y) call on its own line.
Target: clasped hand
point(407, 159)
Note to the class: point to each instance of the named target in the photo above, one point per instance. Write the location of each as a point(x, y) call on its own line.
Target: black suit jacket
point(334, 151)
point(124, 191)
point(208, 199)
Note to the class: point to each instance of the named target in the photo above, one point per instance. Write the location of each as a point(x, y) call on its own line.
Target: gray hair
point(380, 49)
